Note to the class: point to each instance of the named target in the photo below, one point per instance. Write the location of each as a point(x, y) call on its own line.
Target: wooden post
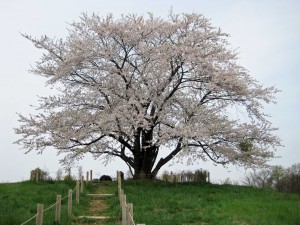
point(119, 184)
point(37, 176)
point(77, 191)
point(82, 184)
point(130, 214)
point(208, 177)
point(39, 217)
point(58, 208)
point(119, 179)
point(70, 202)
point(121, 197)
point(124, 216)
point(91, 175)
point(87, 177)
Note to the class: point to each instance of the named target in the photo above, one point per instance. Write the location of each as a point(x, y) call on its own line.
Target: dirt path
point(97, 206)
point(96, 214)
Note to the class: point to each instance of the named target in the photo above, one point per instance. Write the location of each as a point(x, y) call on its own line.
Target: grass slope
point(18, 202)
point(193, 203)
point(157, 203)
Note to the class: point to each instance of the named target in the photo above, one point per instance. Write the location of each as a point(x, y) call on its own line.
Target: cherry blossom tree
point(148, 90)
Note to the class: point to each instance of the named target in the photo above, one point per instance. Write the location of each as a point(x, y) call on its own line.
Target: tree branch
point(163, 161)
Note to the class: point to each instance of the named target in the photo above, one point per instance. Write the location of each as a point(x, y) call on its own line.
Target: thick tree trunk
point(143, 167)
point(143, 175)
point(145, 155)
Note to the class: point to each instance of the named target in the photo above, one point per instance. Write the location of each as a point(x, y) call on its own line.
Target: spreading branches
point(132, 86)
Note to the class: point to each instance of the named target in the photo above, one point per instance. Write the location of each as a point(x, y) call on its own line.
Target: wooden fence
point(186, 176)
point(127, 208)
point(40, 207)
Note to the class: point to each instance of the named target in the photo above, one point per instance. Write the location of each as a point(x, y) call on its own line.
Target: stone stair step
point(100, 195)
point(94, 217)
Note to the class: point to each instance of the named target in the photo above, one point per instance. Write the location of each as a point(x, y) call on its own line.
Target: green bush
point(39, 175)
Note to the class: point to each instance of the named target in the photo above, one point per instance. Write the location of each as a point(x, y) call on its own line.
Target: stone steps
point(100, 195)
point(94, 217)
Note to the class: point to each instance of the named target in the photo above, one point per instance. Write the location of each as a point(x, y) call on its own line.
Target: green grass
point(18, 202)
point(113, 206)
point(157, 203)
point(193, 203)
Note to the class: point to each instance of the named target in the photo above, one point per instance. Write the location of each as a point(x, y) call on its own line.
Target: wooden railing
point(127, 208)
point(40, 207)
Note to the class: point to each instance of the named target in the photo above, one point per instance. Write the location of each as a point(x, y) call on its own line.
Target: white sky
point(266, 33)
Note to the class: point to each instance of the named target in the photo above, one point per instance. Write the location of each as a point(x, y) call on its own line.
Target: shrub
point(293, 178)
point(105, 178)
point(68, 178)
point(39, 175)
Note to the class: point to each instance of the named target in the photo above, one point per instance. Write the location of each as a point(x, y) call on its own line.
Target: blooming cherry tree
point(148, 90)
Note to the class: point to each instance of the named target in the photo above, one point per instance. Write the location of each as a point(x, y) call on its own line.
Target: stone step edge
point(100, 195)
point(94, 217)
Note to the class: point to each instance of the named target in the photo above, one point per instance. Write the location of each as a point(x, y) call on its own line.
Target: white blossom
point(132, 86)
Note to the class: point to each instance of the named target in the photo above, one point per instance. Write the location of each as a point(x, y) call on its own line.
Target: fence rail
point(127, 208)
point(40, 207)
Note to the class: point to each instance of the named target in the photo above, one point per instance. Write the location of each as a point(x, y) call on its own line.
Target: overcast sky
point(266, 33)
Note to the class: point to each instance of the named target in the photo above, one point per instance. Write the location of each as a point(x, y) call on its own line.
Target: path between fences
point(97, 207)
point(96, 213)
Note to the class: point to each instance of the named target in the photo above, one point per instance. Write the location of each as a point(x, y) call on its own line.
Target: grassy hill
point(18, 201)
point(159, 203)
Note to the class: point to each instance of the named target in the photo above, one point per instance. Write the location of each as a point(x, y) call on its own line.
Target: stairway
point(95, 215)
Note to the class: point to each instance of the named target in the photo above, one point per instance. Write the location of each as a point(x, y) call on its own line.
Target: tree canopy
point(147, 90)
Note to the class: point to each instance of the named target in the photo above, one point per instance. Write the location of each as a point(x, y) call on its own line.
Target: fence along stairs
point(96, 197)
point(127, 208)
point(97, 206)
